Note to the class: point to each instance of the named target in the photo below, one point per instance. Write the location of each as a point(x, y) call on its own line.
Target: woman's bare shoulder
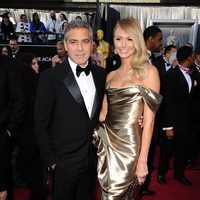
point(152, 79)
point(152, 73)
point(110, 76)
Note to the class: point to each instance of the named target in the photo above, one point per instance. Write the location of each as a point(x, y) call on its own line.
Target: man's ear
point(150, 39)
point(65, 45)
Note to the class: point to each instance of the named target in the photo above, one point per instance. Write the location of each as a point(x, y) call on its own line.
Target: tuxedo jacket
point(63, 127)
point(177, 101)
point(12, 106)
point(160, 65)
point(12, 97)
point(196, 96)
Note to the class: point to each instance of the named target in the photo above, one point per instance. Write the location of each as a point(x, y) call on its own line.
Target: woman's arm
point(104, 108)
point(148, 121)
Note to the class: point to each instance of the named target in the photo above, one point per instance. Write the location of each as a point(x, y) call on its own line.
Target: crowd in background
point(34, 31)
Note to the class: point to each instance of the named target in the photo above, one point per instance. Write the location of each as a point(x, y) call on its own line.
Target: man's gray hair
point(78, 24)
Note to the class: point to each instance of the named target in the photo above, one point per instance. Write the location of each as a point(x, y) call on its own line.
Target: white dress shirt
point(86, 86)
point(149, 59)
point(167, 64)
point(187, 77)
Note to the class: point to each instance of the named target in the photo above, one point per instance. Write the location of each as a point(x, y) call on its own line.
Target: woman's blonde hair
point(60, 42)
point(140, 58)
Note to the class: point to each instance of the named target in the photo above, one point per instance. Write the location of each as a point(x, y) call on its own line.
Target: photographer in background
point(52, 26)
point(23, 30)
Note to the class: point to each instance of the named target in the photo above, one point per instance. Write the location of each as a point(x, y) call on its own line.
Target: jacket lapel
point(97, 84)
point(183, 80)
point(71, 84)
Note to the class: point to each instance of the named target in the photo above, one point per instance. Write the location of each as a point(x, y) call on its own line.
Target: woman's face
point(62, 18)
point(35, 65)
point(36, 17)
point(60, 50)
point(124, 44)
point(4, 51)
point(5, 19)
point(94, 47)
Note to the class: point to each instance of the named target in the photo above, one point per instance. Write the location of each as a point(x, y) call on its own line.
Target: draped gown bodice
point(118, 138)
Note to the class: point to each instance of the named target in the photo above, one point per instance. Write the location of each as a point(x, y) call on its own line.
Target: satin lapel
point(97, 85)
point(71, 84)
point(193, 80)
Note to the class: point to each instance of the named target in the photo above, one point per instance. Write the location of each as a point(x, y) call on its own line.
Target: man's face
point(172, 51)
point(24, 19)
point(94, 47)
point(78, 45)
point(53, 14)
point(14, 45)
point(197, 60)
point(191, 60)
point(156, 42)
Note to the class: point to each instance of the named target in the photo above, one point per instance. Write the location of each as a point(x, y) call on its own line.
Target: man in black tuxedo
point(177, 93)
point(14, 45)
point(195, 136)
point(12, 106)
point(162, 63)
point(154, 41)
point(153, 38)
point(67, 110)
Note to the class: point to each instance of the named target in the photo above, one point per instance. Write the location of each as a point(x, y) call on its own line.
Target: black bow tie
point(81, 69)
point(168, 64)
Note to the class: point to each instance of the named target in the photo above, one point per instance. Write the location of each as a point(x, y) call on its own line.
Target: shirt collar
point(149, 53)
point(183, 69)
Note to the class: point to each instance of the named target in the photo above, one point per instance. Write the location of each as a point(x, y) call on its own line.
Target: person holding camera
point(52, 26)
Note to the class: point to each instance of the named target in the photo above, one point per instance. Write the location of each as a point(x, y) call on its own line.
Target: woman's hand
point(170, 134)
point(55, 60)
point(141, 171)
point(141, 121)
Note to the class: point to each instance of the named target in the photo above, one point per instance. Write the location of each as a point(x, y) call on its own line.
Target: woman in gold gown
point(131, 91)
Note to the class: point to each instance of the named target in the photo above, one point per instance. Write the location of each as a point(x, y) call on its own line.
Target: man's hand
point(53, 166)
point(9, 133)
point(170, 134)
point(3, 195)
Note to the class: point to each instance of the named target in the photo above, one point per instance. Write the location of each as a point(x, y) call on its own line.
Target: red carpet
point(173, 190)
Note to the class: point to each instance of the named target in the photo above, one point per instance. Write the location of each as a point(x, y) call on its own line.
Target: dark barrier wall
point(43, 53)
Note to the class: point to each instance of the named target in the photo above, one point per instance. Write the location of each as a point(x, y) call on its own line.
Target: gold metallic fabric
point(118, 139)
